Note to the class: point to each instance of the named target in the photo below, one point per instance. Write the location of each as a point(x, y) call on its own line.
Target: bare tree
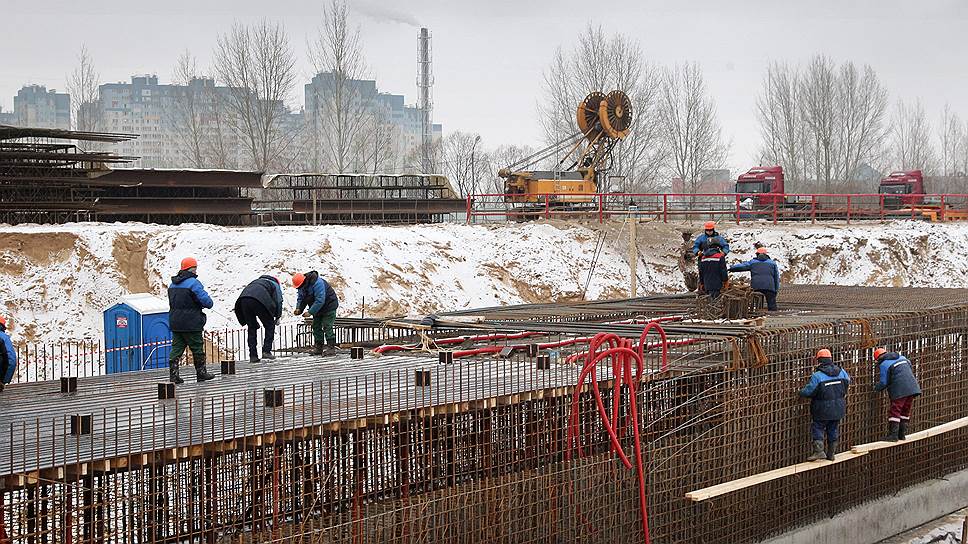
point(83, 84)
point(822, 122)
point(911, 138)
point(501, 157)
point(689, 125)
point(258, 66)
point(781, 123)
point(950, 137)
point(340, 114)
point(378, 146)
point(600, 62)
point(187, 112)
point(862, 116)
point(465, 163)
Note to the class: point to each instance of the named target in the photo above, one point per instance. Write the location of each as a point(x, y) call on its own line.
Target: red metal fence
point(735, 207)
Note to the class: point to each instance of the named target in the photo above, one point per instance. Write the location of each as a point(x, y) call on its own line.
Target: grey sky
point(489, 55)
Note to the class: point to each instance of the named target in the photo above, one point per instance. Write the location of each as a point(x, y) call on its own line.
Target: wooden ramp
point(855, 452)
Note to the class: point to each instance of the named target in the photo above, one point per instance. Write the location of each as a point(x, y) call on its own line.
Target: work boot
point(253, 358)
point(831, 450)
point(173, 376)
point(893, 429)
point(818, 452)
point(901, 429)
point(268, 355)
point(201, 373)
point(318, 349)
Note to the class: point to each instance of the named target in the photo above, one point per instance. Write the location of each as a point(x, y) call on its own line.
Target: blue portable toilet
point(136, 334)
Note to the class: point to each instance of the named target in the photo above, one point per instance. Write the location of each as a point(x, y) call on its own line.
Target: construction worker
point(261, 300)
point(709, 233)
point(319, 296)
point(186, 298)
point(827, 391)
point(897, 376)
point(764, 276)
point(8, 356)
point(712, 268)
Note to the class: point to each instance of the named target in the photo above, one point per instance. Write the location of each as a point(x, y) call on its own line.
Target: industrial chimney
point(425, 80)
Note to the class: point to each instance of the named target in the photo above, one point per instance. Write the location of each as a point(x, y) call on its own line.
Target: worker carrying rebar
point(260, 300)
point(8, 356)
point(186, 299)
point(709, 233)
point(764, 276)
point(897, 376)
point(316, 293)
point(827, 391)
point(712, 269)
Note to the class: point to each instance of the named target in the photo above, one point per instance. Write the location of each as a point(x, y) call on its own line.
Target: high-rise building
point(35, 106)
point(366, 99)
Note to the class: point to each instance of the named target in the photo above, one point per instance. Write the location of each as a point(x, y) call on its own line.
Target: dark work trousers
point(252, 312)
point(770, 299)
point(830, 427)
point(901, 409)
point(712, 294)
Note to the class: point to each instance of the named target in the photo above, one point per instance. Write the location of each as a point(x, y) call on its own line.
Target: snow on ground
point(56, 280)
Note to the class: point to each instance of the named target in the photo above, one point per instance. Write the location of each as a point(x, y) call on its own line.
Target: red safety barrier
point(732, 207)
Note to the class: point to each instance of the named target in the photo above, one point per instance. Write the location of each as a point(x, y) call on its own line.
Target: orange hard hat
point(878, 352)
point(3, 321)
point(188, 262)
point(760, 250)
point(298, 280)
point(709, 225)
point(824, 353)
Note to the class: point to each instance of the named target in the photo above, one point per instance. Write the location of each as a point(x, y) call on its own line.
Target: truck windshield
point(751, 187)
point(899, 189)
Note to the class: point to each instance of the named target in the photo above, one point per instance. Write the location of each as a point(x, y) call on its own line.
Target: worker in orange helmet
point(897, 376)
point(8, 355)
point(186, 299)
point(318, 295)
point(709, 233)
point(827, 391)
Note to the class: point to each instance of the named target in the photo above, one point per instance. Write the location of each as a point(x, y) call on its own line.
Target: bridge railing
point(731, 207)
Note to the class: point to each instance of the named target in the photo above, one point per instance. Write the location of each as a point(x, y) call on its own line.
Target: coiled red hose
point(621, 353)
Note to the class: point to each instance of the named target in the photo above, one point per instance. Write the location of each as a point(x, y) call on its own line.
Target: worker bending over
point(319, 296)
point(897, 376)
point(712, 268)
point(827, 391)
point(186, 299)
point(709, 233)
point(8, 356)
point(261, 300)
point(764, 276)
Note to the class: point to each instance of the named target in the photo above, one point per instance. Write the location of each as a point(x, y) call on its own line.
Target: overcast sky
point(489, 54)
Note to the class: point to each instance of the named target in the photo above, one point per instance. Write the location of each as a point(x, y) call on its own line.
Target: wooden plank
point(913, 437)
point(742, 483)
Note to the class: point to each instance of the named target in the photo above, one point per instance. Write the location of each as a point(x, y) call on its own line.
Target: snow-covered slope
point(56, 280)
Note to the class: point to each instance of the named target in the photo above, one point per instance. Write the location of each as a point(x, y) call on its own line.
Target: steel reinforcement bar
point(380, 450)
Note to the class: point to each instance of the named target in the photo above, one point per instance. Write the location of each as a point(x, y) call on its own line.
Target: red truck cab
point(902, 189)
point(766, 182)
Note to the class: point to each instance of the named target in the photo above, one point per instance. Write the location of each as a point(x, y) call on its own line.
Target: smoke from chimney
point(383, 14)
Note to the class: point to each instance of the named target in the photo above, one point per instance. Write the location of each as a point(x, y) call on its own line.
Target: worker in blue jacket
point(764, 276)
point(186, 299)
point(316, 293)
point(8, 356)
point(897, 376)
point(712, 269)
point(709, 233)
point(827, 391)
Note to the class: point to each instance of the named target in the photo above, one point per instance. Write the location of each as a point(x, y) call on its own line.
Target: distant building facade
point(36, 106)
point(388, 109)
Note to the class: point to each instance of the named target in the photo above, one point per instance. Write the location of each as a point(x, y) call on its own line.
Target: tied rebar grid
point(359, 453)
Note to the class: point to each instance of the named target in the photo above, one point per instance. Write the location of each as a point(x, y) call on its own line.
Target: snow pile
point(56, 280)
point(946, 534)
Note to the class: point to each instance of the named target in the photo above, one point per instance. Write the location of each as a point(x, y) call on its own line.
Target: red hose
point(621, 353)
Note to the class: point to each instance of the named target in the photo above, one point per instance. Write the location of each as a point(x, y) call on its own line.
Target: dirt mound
point(130, 253)
point(38, 249)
